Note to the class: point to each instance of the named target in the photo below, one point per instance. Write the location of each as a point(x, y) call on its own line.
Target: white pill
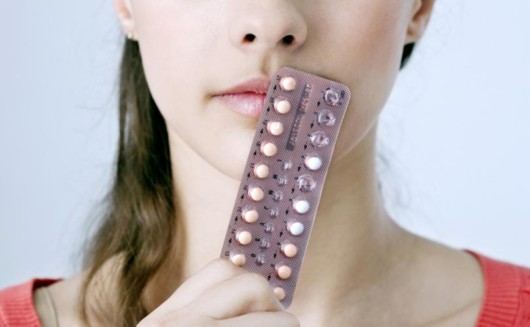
point(288, 83)
point(313, 162)
point(295, 228)
point(244, 237)
point(256, 193)
point(261, 171)
point(275, 128)
point(238, 259)
point(282, 106)
point(301, 206)
point(250, 215)
point(269, 149)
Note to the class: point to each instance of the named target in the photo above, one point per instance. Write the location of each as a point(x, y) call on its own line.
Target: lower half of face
point(192, 50)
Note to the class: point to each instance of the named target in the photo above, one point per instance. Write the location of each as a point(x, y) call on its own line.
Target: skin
point(361, 268)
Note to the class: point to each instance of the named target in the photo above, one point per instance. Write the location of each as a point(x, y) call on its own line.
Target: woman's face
point(193, 49)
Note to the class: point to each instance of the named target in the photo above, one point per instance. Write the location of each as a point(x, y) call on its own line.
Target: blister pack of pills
point(284, 176)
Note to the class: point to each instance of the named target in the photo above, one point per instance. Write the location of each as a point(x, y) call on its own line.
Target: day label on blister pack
point(280, 189)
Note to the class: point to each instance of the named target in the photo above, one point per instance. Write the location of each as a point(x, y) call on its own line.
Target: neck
point(353, 241)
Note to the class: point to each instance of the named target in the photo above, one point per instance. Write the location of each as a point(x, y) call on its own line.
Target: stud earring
point(131, 36)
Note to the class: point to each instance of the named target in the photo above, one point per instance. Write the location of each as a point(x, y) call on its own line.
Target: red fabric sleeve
point(16, 304)
point(507, 299)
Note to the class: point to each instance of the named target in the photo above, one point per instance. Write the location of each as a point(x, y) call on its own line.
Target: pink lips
point(246, 98)
point(248, 104)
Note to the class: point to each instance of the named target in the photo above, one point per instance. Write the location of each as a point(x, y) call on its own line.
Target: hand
point(222, 295)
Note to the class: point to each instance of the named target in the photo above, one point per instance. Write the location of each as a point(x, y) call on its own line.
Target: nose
point(267, 25)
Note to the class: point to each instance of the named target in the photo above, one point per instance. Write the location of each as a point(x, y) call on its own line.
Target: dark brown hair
point(140, 218)
point(139, 221)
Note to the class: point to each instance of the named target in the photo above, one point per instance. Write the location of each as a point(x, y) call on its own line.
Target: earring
point(131, 36)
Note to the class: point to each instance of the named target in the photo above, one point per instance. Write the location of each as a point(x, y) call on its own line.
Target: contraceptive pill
point(250, 214)
point(296, 228)
point(244, 237)
point(283, 271)
point(238, 259)
point(283, 179)
point(288, 83)
point(313, 162)
point(282, 105)
point(269, 149)
point(279, 293)
point(275, 128)
point(288, 249)
point(301, 205)
point(261, 171)
point(256, 193)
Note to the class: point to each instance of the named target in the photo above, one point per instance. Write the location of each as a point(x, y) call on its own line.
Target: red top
point(506, 302)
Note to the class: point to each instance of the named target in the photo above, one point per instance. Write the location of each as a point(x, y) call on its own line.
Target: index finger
point(215, 272)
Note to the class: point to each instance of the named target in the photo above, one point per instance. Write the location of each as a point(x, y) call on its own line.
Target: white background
point(456, 130)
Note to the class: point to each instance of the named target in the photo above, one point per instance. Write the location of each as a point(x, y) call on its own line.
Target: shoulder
point(16, 303)
point(507, 293)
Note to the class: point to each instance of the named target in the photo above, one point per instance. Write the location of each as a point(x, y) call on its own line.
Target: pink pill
point(268, 149)
point(275, 128)
point(282, 106)
point(244, 237)
point(288, 83)
point(250, 215)
point(256, 193)
point(279, 292)
point(261, 171)
point(289, 249)
point(238, 259)
point(283, 271)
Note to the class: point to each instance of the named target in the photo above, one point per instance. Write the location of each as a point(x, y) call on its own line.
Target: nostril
point(288, 39)
point(249, 38)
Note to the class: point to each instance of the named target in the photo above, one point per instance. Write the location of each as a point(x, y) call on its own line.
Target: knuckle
point(291, 319)
point(257, 286)
point(255, 280)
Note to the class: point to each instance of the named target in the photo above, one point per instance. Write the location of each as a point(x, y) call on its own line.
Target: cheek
point(369, 59)
point(172, 51)
point(176, 42)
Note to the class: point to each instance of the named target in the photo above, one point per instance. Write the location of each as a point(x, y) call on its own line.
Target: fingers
point(213, 273)
point(262, 319)
point(218, 292)
point(184, 318)
point(241, 294)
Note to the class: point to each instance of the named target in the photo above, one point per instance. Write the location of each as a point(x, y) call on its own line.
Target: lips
point(246, 98)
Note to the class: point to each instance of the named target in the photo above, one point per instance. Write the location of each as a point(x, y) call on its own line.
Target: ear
point(124, 12)
point(420, 15)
